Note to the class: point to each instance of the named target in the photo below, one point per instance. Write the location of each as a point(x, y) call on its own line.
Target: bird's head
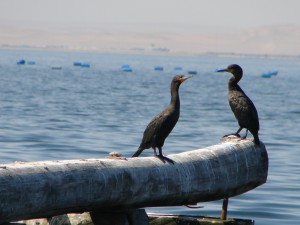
point(235, 70)
point(179, 79)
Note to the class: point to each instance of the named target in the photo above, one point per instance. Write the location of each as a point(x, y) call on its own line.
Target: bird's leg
point(235, 134)
point(155, 153)
point(160, 151)
point(238, 131)
point(160, 155)
point(244, 137)
point(164, 157)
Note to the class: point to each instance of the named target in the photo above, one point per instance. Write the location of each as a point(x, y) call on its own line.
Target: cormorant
point(162, 124)
point(241, 105)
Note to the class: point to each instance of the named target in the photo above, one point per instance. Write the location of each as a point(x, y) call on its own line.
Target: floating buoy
point(56, 67)
point(81, 64)
point(77, 64)
point(126, 68)
point(269, 74)
point(273, 72)
point(177, 68)
point(31, 62)
point(159, 68)
point(192, 72)
point(21, 62)
point(85, 65)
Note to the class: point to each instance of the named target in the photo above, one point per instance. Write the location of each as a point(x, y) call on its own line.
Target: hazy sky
point(207, 13)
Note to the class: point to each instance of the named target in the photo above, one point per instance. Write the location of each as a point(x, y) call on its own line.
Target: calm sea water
point(77, 112)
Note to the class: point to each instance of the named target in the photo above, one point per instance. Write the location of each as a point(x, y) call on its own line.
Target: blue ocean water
point(75, 112)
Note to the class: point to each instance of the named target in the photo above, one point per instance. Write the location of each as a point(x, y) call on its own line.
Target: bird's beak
point(185, 78)
point(222, 70)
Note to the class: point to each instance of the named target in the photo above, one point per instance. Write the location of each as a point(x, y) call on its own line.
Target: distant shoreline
point(268, 41)
point(141, 52)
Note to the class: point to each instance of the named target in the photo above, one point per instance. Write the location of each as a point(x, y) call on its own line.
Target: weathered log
point(48, 188)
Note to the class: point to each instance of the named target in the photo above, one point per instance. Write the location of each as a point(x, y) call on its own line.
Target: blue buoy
point(273, 72)
point(127, 69)
point(159, 68)
point(125, 66)
point(85, 65)
point(77, 64)
point(56, 67)
point(269, 74)
point(31, 62)
point(265, 75)
point(21, 62)
point(177, 68)
point(193, 72)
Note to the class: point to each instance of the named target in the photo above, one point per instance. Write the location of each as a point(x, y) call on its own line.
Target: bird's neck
point(233, 83)
point(175, 97)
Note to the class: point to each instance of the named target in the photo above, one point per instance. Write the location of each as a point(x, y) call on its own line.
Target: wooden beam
point(224, 209)
point(48, 188)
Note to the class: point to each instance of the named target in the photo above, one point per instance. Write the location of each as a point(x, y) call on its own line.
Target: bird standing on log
point(241, 105)
point(163, 123)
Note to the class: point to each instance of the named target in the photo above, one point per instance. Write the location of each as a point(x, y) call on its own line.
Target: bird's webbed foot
point(161, 158)
point(164, 159)
point(236, 133)
point(169, 160)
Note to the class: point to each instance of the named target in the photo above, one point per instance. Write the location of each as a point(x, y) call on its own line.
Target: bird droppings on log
point(131, 217)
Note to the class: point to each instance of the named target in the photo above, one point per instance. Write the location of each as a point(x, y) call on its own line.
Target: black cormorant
point(162, 124)
point(241, 105)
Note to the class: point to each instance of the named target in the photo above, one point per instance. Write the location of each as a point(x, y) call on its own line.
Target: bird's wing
point(244, 110)
point(154, 127)
point(254, 114)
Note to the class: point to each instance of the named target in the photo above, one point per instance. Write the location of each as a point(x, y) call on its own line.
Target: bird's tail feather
point(137, 153)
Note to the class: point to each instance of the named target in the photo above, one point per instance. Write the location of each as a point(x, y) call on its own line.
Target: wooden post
point(49, 188)
point(224, 209)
